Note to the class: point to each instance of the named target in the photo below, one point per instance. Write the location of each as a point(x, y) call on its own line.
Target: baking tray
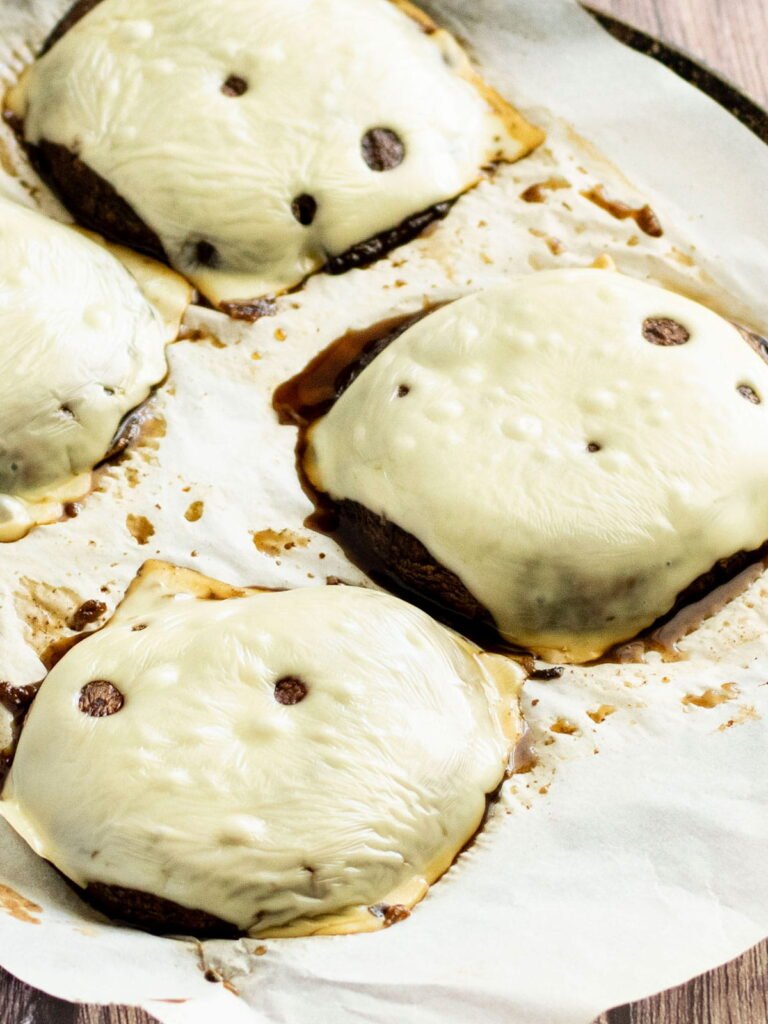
point(718, 88)
point(692, 70)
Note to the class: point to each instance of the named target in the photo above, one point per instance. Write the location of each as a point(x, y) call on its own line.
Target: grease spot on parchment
point(600, 714)
point(214, 974)
point(201, 334)
point(746, 713)
point(643, 216)
point(275, 542)
point(536, 193)
point(140, 528)
point(153, 430)
point(195, 511)
point(711, 698)
point(564, 727)
point(45, 610)
point(18, 906)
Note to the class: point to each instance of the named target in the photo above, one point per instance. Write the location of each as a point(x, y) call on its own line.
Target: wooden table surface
point(732, 37)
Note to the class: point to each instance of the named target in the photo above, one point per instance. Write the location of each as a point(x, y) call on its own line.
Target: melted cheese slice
point(487, 459)
point(204, 790)
point(135, 89)
point(82, 342)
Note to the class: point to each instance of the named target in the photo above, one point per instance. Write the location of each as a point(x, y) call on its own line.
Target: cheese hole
point(234, 86)
point(382, 149)
point(290, 690)
point(304, 208)
point(206, 254)
point(100, 699)
point(662, 330)
point(749, 393)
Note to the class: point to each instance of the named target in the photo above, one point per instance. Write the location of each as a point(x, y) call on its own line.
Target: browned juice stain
point(190, 334)
point(275, 542)
point(195, 511)
point(390, 913)
point(537, 193)
point(711, 698)
point(524, 757)
point(311, 393)
point(141, 429)
point(563, 727)
point(153, 429)
point(554, 245)
point(56, 650)
point(18, 906)
point(45, 609)
point(6, 161)
point(140, 528)
point(16, 700)
point(138, 436)
point(682, 257)
point(86, 614)
point(303, 399)
point(200, 334)
point(212, 974)
point(643, 216)
point(600, 714)
point(746, 713)
point(250, 311)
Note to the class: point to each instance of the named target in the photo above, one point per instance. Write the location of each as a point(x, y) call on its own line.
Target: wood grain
point(734, 994)
point(20, 1004)
point(731, 36)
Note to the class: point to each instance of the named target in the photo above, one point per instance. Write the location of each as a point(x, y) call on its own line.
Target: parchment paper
point(633, 856)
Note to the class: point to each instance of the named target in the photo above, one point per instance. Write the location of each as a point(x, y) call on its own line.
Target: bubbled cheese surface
point(81, 345)
point(135, 89)
point(575, 476)
point(204, 790)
